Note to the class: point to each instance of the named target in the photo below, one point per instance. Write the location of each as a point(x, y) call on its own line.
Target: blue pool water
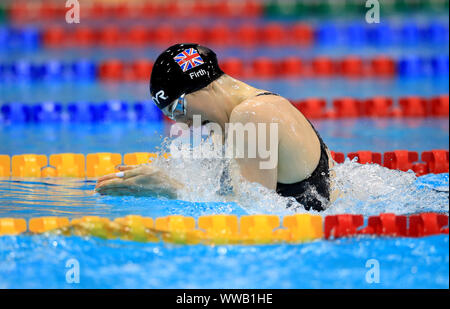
point(40, 261)
point(372, 134)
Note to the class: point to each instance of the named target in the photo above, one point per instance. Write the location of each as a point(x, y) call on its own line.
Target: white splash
point(368, 189)
point(372, 189)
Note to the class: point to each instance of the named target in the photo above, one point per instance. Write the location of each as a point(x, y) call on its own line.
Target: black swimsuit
point(306, 191)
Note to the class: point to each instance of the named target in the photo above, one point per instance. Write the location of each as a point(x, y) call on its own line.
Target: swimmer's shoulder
point(260, 109)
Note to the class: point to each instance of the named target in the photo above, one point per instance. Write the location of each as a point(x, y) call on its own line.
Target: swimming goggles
point(176, 108)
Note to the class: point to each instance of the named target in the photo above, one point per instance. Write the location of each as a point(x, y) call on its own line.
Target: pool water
point(40, 262)
point(46, 261)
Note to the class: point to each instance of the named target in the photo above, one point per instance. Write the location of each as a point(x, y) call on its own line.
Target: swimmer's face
point(202, 102)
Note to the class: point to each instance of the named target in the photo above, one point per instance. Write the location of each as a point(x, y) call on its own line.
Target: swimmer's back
point(298, 144)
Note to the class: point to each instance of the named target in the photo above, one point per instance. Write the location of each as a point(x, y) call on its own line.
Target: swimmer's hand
point(139, 180)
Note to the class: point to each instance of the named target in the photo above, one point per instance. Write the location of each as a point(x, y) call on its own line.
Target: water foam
point(367, 189)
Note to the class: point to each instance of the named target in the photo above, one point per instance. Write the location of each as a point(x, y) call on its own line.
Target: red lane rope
point(387, 224)
point(435, 161)
point(38, 10)
point(379, 106)
point(231, 229)
point(351, 67)
point(165, 34)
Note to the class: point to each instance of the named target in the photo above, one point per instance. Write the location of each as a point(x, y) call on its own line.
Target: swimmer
point(186, 80)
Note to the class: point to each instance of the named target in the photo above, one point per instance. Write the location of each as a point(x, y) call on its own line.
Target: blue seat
point(147, 111)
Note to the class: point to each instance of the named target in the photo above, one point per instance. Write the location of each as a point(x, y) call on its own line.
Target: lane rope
point(313, 108)
point(229, 229)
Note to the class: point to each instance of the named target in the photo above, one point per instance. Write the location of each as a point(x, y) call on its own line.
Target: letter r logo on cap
point(159, 95)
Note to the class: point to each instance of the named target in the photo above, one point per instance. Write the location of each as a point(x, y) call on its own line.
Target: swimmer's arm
point(257, 169)
point(252, 172)
point(140, 180)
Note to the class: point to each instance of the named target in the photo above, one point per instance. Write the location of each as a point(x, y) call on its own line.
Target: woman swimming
point(186, 80)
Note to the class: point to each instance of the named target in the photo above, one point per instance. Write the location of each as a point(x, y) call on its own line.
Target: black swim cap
point(182, 68)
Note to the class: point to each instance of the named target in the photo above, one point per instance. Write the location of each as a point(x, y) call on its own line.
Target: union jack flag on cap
point(188, 59)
